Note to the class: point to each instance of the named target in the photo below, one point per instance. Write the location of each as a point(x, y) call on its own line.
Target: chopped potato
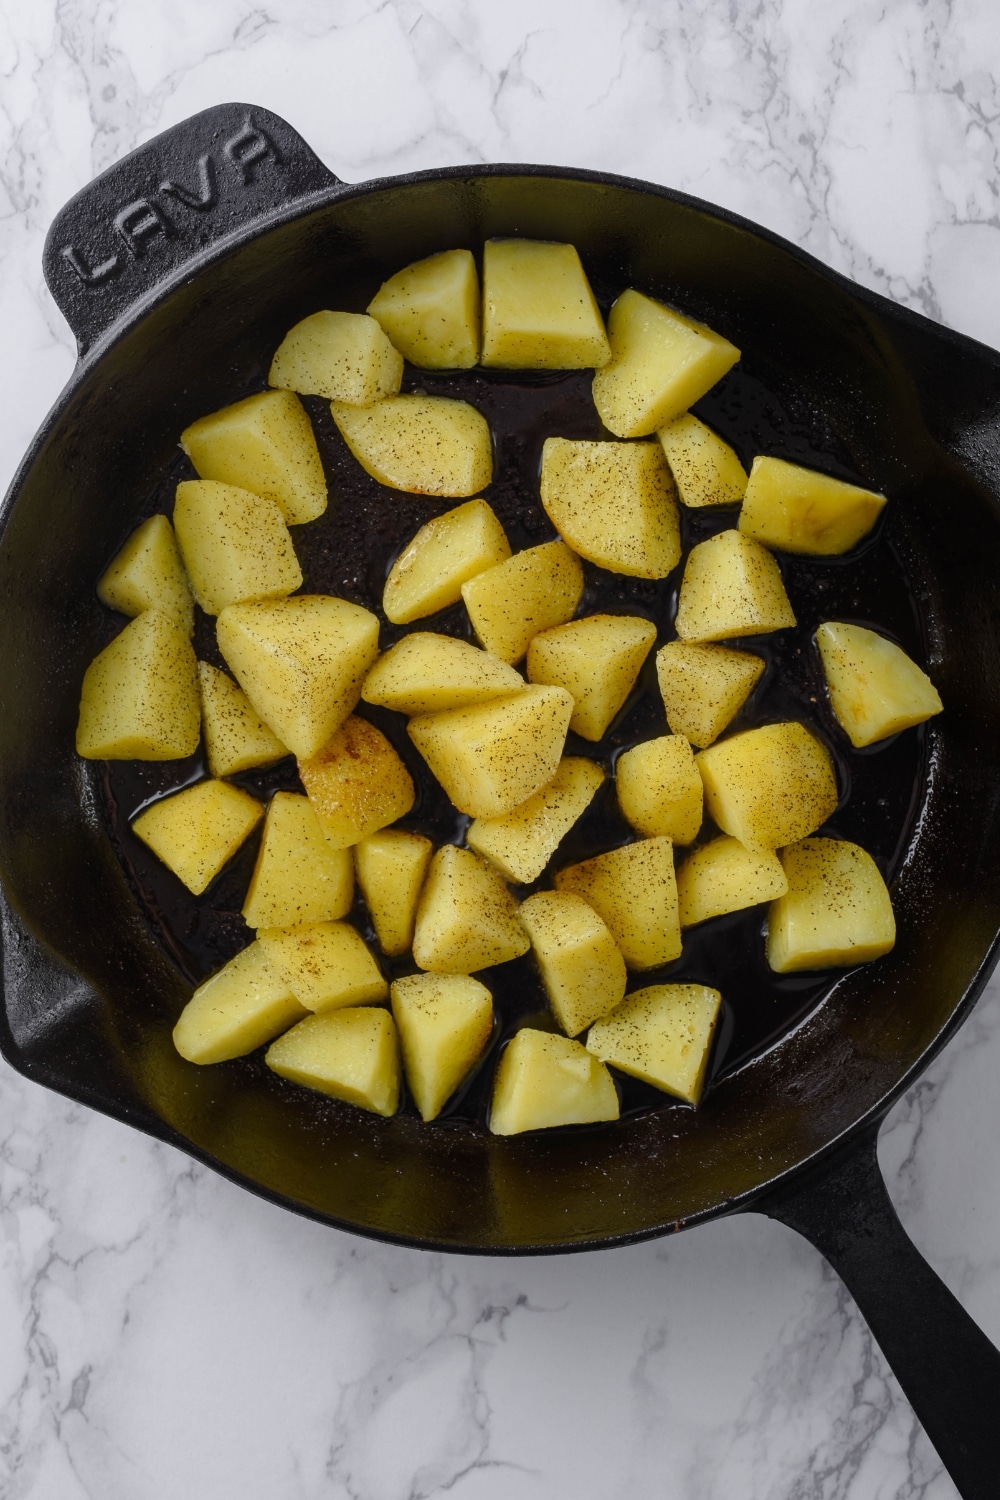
point(235, 545)
point(837, 910)
point(511, 602)
point(264, 444)
point(235, 738)
point(298, 877)
point(429, 573)
point(426, 445)
point(659, 789)
point(731, 587)
point(634, 889)
point(326, 964)
point(597, 659)
point(340, 355)
point(704, 687)
point(430, 310)
point(875, 688)
point(582, 969)
point(723, 876)
point(770, 786)
point(197, 831)
point(538, 310)
point(139, 698)
point(662, 1035)
point(148, 574)
point(544, 1080)
point(521, 842)
point(237, 1010)
point(614, 504)
point(705, 469)
point(426, 673)
point(351, 1055)
point(800, 510)
point(444, 1023)
point(467, 918)
point(391, 866)
point(356, 783)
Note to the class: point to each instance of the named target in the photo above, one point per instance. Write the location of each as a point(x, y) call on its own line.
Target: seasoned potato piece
point(235, 738)
point(351, 1055)
point(634, 889)
point(769, 786)
point(522, 842)
point(661, 363)
point(298, 877)
point(340, 355)
point(614, 504)
point(837, 910)
point(875, 688)
point(430, 310)
point(494, 756)
point(659, 789)
point(326, 964)
point(356, 783)
point(723, 876)
point(704, 687)
point(444, 1023)
point(467, 918)
point(301, 662)
point(662, 1035)
point(197, 831)
point(235, 545)
point(426, 445)
point(705, 469)
point(429, 573)
point(800, 510)
point(425, 673)
point(597, 659)
point(510, 603)
point(391, 866)
point(582, 970)
point(264, 444)
point(538, 310)
point(148, 574)
point(236, 1011)
point(731, 587)
point(545, 1080)
point(139, 698)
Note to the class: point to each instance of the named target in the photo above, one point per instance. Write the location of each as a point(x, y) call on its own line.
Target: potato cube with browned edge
point(444, 1023)
point(148, 574)
point(539, 312)
point(544, 1080)
point(428, 574)
point(301, 662)
point(431, 311)
point(326, 965)
point(634, 889)
point(704, 687)
point(614, 503)
point(139, 697)
point(705, 468)
point(723, 876)
point(356, 783)
point(597, 659)
point(662, 1035)
point(298, 877)
point(391, 866)
point(731, 587)
point(659, 789)
point(340, 355)
point(197, 831)
point(521, 842)
point(661, 363)
point(875, 688)
point(352, 1055)
point(239, 1008)
point(511, 602)
point(235, 738)
point(800, 510)
point(235, 545)
point(425, 445)
point(467, 918)
point(426, 673)
point(264, 443)
point(582, 970)
point(837, 910)
point(770, 786)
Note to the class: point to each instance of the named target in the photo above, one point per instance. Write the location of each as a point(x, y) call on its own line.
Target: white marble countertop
point(164, 1335)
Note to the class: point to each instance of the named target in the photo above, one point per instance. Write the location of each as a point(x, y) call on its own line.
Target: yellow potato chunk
point(582, 970)
point(705, 468)
point(511, 602)
point(731, 587)
point(264, 444)
point(769, 787)
point(659, 789)
point(236, 1011)
point(235, 737)
point(301, 663)
point(662, 1035)
point(196, 832)
point(426, 445)
point(430, 310)
point(429, 573)
point(351, 1055)
point(597, 659)
point(661, 363)
point(492, 757)
point(544, 1080)
point(800, 510)
point(875, 688)
point(426, 673)
point(298, 877)
point(614, 504)
point(325, 964)
point(139, 698)
point(444, 1023)
point(538, 310)
point(235, 545)
point(723, 876)
point(148, 574)
point(837, 910)
point(704, 687)
point(522, 842)
point(467, 918)
point(356, 783)
point(391, 866)
point(340, 355)
point(634, 889)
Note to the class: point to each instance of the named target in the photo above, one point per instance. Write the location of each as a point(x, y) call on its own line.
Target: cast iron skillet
point(178, 270)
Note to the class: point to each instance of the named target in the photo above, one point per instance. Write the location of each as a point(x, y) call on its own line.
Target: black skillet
point(179, 270)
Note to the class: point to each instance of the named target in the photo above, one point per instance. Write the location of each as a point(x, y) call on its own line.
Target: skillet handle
point(947, 1367)
point(159, 209)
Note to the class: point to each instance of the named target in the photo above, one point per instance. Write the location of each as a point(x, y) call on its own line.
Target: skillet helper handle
point(163, 206)
point(947, 1367)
